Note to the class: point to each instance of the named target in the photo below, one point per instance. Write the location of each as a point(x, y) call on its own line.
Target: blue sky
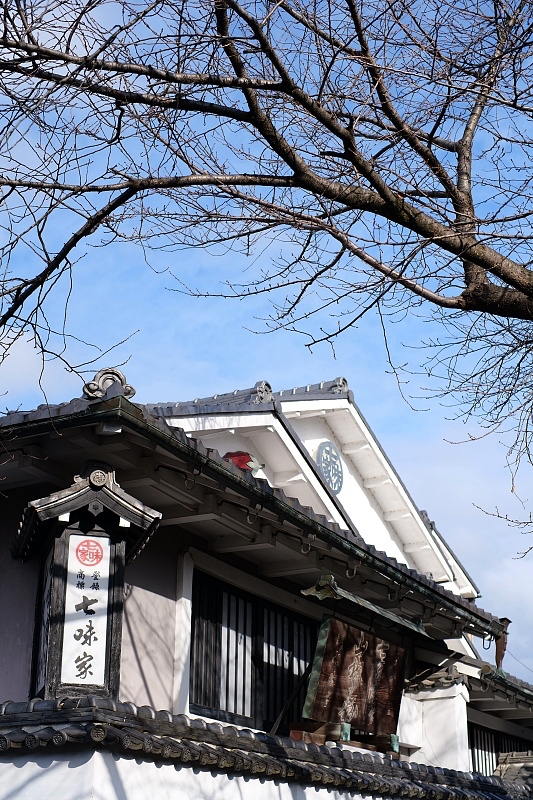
point(187, 348)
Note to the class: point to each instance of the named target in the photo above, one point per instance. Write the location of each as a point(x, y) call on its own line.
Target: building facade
point(240, 588)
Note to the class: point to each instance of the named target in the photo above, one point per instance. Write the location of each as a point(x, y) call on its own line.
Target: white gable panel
point(378, 502)
point(263, 436)
point(372, 498)
point(358, 502)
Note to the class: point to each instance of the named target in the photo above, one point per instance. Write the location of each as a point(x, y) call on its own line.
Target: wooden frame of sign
point(84, 535)
point(94, 635)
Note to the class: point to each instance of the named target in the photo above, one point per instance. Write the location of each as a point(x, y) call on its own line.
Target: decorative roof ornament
point(104, 380)
point(263, 391)
point(329, 463)
point(340, 385)
point(245, 461)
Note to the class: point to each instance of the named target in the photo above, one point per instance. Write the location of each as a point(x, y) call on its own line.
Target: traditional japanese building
point(235, 594)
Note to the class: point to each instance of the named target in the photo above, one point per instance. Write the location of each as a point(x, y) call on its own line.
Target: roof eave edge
point(128, 411)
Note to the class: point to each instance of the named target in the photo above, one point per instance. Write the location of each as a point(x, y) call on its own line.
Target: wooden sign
point(84, 534)
point(356, 679)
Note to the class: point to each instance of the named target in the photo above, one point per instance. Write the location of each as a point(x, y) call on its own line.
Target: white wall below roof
point(103, 775)
point(48, 776)
point(183, 632)
point(422, 550)
point(119, 777)
point(382, 511)
point(356, 500)
point(148, 634)
point(435, 721)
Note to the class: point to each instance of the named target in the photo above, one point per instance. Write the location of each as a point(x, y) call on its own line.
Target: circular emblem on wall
point(89, 552)
point(330, 465)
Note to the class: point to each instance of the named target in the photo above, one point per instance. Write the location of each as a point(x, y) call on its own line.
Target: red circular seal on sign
point(89, 552)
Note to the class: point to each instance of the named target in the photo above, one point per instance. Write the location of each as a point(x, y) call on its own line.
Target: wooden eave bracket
point(326, 587)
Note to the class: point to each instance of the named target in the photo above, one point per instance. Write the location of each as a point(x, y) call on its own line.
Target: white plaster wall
point(410, 725)
point(148, 629)
point(108, 776)
point(134, 779)
point(183, 632)
point(47, 776)
point(436, 722)
point(356, 500)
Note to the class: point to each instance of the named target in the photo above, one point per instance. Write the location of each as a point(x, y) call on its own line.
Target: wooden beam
point(416, 547)
point(288, 477)
point(498, 724)
point(492, 706)
point(249, 582)
point(33, 462)
point(355, 447)
point(187, 519)
point(287, 570)
point(238, 544)
point(374, 483)
point(395, 516)
point(519, 712)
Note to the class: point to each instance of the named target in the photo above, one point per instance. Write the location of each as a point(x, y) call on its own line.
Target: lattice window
point(247, 655)
point(486, 746)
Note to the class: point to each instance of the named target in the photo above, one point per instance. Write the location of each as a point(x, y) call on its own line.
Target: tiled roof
point(102, 723)
point(498, 677)
point(368, 551)
point(262, 398)
point(254, 399)
point(516, 768)
point(45, 411)
point(316, 391)
point(439, 679)
point(515, 683)
point(259, 489)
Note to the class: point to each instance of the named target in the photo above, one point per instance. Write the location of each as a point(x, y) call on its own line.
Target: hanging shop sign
point(356, 679)
point(84, 535)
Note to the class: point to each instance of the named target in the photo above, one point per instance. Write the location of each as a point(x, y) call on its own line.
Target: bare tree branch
point(391, 150)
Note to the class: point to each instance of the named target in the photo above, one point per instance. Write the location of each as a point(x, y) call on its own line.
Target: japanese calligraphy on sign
point(357, 678)
point(86, 611)
point(89, 552)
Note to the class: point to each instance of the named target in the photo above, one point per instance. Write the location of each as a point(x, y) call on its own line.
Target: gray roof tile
point(261, 486)
point(251, 399)
point(98, 722)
